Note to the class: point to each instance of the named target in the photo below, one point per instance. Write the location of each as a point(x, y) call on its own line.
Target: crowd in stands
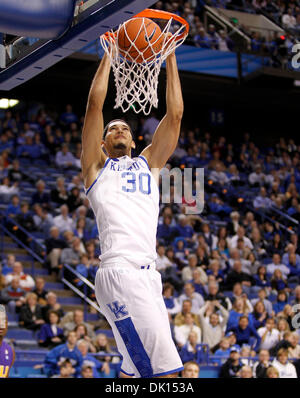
point(230, 274)
point(275, 46)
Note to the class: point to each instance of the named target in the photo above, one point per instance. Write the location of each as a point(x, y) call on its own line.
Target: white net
point(135, 71)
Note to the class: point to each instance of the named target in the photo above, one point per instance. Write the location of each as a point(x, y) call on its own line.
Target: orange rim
point(158, 14)
point(149, 13)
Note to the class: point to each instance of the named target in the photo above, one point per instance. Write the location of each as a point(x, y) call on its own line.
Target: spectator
point(232, 367)
point(74, 199)
point(246, 372)
point(223, 351)
point(43, 220)
point(192, 350)
point(78, 320)
point(195, 298)
point(66, 370)
point(262, 201)
point(25, 219)
point(269, 335)
point(282, 300)
point(190, 370)
point(272, 373)
point(238, 276)
point(82, 334)
point(240, 235)
point(17, 175)
point(186, 308)
point(201, 39)
point(50, 335)
point(285, 368)
point(285, 343)
point(68, 116)
point(88, 359)
point(239, 308)
point(218, 176)
point(261, 280)
point(187, 272)
point(40, 290)
point(62, 352)
point(14, 207)
point(261, 367)
point(278, 282)
point(71, 256)
point(244, 332)
point(51, 305)
point(40, 196)
point(182, 332)
point(214, 294)
point(8, 189)
point(59, 194)
point(13, 296)
point(172, 305)
point(86, 372)
point(294, 350)
point(31, 313)
point(64, 159)
point(8, 263)
point(63, 222)
point(212, 330)
point(26, 281)
point(54, 246)
point(257, 178)
point(81, 230)
point(277, 264)
point(288, 19)
point(258, 317)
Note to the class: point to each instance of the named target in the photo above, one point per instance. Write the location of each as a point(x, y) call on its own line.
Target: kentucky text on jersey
point(125, 201)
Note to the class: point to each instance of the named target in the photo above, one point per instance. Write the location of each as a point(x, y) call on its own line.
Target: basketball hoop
point(136, 81)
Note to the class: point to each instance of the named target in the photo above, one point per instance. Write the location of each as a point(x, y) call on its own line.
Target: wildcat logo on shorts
point(118, 309)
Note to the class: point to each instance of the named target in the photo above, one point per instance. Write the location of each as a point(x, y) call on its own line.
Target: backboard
point(23, 57)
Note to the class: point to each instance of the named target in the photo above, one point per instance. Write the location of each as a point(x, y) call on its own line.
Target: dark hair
point(114, 120)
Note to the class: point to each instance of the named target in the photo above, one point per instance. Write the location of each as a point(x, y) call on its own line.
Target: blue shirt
point(243, 336)
point(62, 352)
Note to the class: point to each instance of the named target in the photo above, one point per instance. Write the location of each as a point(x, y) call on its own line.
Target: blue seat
point(20, 334)
point(69, 300)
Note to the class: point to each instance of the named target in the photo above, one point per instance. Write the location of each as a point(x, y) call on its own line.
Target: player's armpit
point(164, 141)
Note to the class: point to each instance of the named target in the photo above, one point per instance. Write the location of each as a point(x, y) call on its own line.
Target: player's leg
point(142, 332)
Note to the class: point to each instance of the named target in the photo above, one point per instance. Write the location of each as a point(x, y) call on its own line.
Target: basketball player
point(123, 193)
point(7, 353)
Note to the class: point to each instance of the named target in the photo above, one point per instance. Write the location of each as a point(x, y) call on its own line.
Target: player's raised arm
point(167, 133)
point(92, 155)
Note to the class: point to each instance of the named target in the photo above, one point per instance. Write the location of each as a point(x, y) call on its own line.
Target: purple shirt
point(6, 359)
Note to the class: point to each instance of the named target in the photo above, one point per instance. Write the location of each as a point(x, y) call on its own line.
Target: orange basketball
point(141, 31)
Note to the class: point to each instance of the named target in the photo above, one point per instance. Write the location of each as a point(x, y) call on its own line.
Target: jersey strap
point(145, 160)
point(101, 171)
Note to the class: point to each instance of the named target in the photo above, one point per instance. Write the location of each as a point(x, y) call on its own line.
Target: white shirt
point(289, 20)
point(64, 223)
point(162, 262)
point(247, 242)
point(287, 371)
point(219, 177)
point(283, 268)
point(197, 301)
point(182, 333)
point(187, 274)
point(271, 338)
point(26, 281)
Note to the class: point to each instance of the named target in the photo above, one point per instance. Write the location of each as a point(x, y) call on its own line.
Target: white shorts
point(131, 300)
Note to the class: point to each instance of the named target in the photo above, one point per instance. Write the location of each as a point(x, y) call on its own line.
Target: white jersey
point(125, 201)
